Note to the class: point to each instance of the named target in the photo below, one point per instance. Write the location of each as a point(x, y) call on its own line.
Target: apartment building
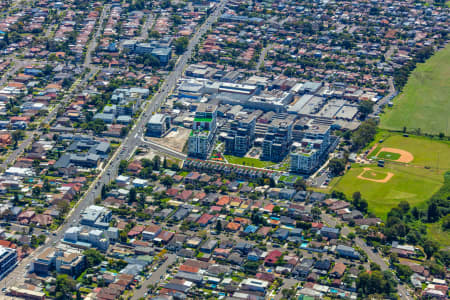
point(201, 139)
point(8, 260)
point(240, 136)
point(277, 139)
point(307, 155)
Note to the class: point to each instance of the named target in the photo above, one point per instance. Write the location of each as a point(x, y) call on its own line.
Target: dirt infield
point(384, 180)
point(405, 156)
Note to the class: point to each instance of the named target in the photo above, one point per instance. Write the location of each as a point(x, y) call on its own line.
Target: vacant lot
point(425, 100)
point(176, 139)
point(413, 184)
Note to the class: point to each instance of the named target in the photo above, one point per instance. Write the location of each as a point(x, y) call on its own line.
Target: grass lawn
point(388, 155)
point(246, 161)
point(436, 233)
point(426, 151)
point(424, 102)
point(413, 184)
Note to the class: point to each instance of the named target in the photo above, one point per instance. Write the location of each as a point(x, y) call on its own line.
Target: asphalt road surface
point(374, 257)
point(124, 151)
point(155, 278)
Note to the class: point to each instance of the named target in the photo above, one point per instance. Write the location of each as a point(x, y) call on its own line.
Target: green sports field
point(428, 152)
point(415, 185)
point(414, 182)
point(425, 100)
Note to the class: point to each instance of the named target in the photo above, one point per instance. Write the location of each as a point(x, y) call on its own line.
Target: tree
point(315, 211)
point(181, 45)
point(46, 186)
point(219, 226)
point(36, 191)
point(17, 135)
point(415, 213)
point(336, 166)
point(93, 257)
point(446, 222)
point(16, 198)
point(430, 247)
point(433, 212)
point(123, 165)
point(300, 184)
point(362, 205)
point(404, 206)
point(167, 181)
point(376, 282)
point(176, 19)
point(403, 271)
point(123, 236)
point(65, 286)
point(142, 199)
point(132, 195)
point(63, 207)
point(156, 162)
point(103, 192)
point(288, 293)
point(251, 266)
point(351, 235)
point(356, 196)
point(365, 108)
point(154, 34)
point(393, 258)
point(364, 134)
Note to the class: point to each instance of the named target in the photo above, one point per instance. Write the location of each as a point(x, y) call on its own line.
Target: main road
point(125, 150)
point(17, 276)
point(66, 98)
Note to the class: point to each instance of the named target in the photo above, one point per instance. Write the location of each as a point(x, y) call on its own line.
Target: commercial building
point(84, 238)
point(96, 216)
point(160, 49)
point(158, 125)
point(71, 262)
point(45, 262)
point(26, 294)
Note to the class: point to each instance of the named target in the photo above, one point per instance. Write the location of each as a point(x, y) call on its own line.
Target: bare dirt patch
point(374, 174)
point(405, 156)
point(174, 139)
